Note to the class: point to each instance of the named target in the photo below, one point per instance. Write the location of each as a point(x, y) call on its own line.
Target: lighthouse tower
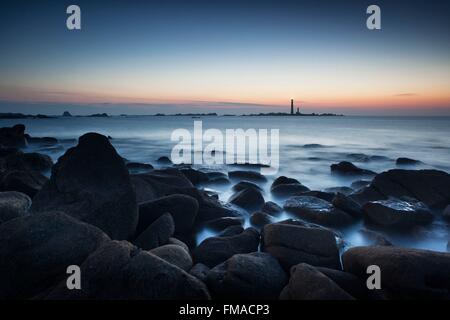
point(292, 106)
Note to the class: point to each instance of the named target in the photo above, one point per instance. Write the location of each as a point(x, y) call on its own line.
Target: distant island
point(67, 114)
point(11, 115)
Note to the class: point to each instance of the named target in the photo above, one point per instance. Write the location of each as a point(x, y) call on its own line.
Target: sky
point(229, 57)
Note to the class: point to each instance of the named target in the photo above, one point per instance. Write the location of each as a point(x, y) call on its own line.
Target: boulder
point(327, 196)
point(245, 185)
point(308, 283)
point(254, 275)
point(286, 187)
point(343, 190)
point(406, 161)
point(160, 183)
point(260, 219)
point(179, 243)
point(28, 161)
point(35, 251)
point(317, 211)
point(13, 205)
point(405, 273)
point(351, 284)
point(200, 271)
point(91, 183)
point(358, 184)
point(432, 187)
point(349, 169)
point(156, 234)
point(294, 244)
point(196, 177)
point(164, 160)
point(223, 223)
point(347, 205)
point(43, 141)
point(120, 271)
point(231, 231)
point(248, 199)
point(271, 208)
point(397, 214)
point(251, 176)
point(183, 209)
point(28, 182)
point(215, 250)
point(175, 255)
point(13, 137)
point(136, 167)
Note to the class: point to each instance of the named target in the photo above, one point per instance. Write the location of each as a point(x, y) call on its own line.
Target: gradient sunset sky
point(144, 57)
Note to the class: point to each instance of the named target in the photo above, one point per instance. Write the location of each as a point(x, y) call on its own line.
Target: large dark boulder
point(91, 183)
point(175, 255)
point(156, 234)
point(35, 251)
point(28, 182)
point(160, 183)
point(245, 185)
point(395, 213)
point(255, 275)
point(286, 187)
point(249, 199)
point(294, 244)
point(317, 211)
point(308, 283)
point(120, 271)
point(405, 273)
point(215, 250)
point(432, 187)
point(13, 137)
point(183, 209)
point(349, 169)
point(13, 205)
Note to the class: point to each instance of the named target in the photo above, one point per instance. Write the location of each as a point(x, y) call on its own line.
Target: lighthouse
point(292, 106)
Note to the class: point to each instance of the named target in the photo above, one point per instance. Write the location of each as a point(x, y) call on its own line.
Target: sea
point(307, 148)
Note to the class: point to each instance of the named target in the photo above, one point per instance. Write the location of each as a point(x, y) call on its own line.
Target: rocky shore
point(131, 227)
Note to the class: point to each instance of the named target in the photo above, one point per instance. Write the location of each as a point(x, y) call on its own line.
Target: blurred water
point(308, 146)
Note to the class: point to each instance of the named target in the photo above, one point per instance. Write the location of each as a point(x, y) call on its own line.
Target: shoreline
point(158, 209)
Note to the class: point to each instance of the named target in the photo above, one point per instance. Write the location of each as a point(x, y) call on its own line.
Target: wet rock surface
point(317, 211)
point(432, 187)
point(395, 213)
